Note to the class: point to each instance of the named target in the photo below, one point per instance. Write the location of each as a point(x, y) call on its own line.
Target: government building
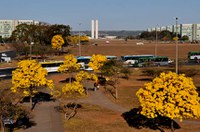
point(190, 30)
point(8, 26)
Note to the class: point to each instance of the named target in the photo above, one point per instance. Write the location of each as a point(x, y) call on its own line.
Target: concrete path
point(98, 98)
point(46, 118)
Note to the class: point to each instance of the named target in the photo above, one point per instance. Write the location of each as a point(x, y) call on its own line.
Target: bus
point(51, 66)
point(109, 57)
point(83, 61)
point(154, 61)
point(194, 56)
point(132, 60)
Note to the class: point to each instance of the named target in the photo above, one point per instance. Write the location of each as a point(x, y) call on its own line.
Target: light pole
point(176, 45)
point(79, 40)
point(31, 50)
point(156, 41)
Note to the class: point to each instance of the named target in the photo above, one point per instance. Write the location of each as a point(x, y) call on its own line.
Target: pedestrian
point(96, 85)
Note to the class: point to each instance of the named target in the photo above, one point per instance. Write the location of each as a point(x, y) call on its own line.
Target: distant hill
point(120, 33)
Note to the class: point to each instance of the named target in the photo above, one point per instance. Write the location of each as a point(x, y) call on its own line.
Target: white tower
point(96, 29)
point(92, 30)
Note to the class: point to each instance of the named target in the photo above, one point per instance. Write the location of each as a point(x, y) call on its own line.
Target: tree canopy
point(41, 34)
point(170, 95)
point(57, 42)
point(97, 61)
point(28, 76)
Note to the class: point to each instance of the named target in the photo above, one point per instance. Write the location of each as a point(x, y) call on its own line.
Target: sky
point(111, 14)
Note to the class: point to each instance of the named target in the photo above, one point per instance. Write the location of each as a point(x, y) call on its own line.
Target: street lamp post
point(31, 50)
point(156, 42)
point(176, 45)
point(79, 41)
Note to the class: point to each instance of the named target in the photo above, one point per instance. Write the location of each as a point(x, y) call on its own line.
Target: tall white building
point(92, 29)
point(95, 29)
point(190, 30)
point(8, 26)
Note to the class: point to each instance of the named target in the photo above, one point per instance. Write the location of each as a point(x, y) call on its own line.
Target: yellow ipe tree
point(75, 87)
point(28, 77)
point(69, 66)
point(57, 41)
point(97, 61)
point(170, 95)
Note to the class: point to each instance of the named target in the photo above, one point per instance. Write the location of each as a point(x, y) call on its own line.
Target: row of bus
point(128, 60)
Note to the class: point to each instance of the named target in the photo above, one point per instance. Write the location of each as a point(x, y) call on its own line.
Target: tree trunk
point(116, 93)
point(31, 102)
point(73, 113)
point(172, 126)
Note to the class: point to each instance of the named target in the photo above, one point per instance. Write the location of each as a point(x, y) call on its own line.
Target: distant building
point(94, 29)
point(190, 30)
point(8, 26)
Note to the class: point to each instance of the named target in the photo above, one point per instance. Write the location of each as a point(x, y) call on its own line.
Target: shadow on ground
point(67, 80)
point(21, 123)
point(145, 79)
point(39, 97)
point(136, 120)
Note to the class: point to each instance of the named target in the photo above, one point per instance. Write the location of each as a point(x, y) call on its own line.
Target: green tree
point(114, 70)
point(21, 33)
point(185, 38)
point(39, 34)
point(165, 35)
point(170, 95)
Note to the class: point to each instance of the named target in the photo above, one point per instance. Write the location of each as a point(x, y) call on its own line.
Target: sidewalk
point(46, 118)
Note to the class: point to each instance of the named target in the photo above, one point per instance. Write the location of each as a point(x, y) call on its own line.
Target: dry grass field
point(120, 47)
point(95, 118)
point(128, 88)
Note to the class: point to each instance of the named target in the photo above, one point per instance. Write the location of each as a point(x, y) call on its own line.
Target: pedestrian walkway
point(46, 118)
point(98, 98)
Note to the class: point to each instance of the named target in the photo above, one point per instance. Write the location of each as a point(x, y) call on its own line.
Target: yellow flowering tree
point(28, 76)
point(97, 61)
point(57, 41)
point(170, 95)
point(84, 38)
point(75, 39)
point(69, 66)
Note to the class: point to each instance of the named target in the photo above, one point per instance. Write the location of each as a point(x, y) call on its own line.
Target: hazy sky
point(112, 14)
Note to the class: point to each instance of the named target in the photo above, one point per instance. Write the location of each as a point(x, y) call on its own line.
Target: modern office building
point(8, 26)
point(190, 30)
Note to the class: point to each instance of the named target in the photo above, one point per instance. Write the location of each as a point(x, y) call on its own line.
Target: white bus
point(83, 61)
point(51, 66)
point(194, 56)
point(111, 57)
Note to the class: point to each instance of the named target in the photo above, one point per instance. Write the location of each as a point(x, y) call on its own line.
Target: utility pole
point(176, 45)
point(156, 41)
point(79, 40)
